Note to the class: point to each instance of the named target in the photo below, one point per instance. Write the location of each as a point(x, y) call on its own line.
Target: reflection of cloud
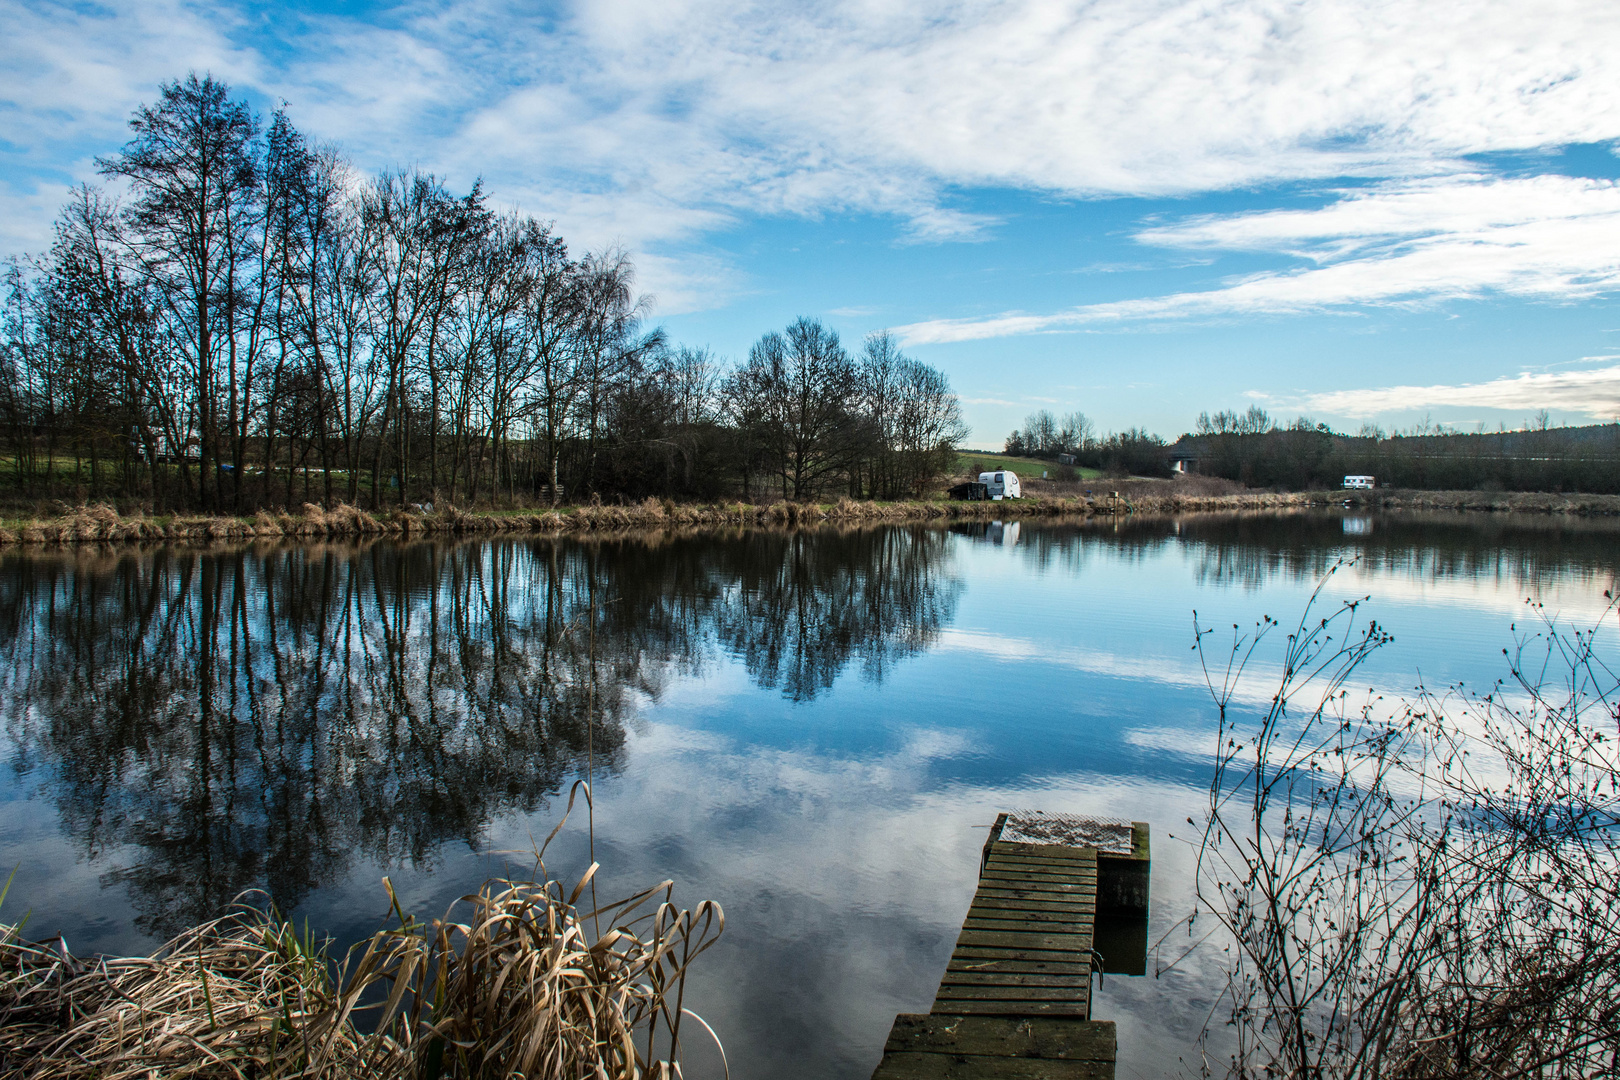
point(1172, 741)
point(844, 880)
point(1162, 670)
point(1594, 393)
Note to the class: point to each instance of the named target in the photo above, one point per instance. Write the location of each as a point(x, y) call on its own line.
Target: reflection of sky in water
point(841, 831)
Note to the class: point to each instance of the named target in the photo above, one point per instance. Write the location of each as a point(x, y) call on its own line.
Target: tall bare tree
point(193, 170)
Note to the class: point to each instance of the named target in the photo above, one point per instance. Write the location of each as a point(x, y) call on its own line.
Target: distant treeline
point(1073, 439)
point(1252, 449)
point(257, 325)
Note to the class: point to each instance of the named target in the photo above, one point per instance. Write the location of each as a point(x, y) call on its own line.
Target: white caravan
point(1358, 483)
point(1002, 484)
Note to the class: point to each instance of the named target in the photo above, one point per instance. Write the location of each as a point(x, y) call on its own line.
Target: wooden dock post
point(1015, 1001)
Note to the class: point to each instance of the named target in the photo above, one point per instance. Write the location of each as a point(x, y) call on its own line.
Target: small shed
point(1184, 461)
point(970, 491)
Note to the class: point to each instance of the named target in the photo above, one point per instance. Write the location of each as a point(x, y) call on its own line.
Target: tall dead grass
point(515, 980)
point(101, 523)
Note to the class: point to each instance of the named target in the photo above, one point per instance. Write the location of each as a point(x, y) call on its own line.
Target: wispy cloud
point(937, 225)
point(654, 121)
point(1594, 393)
point(1401, 242)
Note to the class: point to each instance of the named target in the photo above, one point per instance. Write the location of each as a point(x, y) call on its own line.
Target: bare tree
point(1076, 433)
point(802, 385)
point(607, 334)
point(194, 174)
point(254, 302)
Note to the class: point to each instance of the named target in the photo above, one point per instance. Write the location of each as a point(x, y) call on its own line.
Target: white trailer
point(1358, 483)
point(1002, 484)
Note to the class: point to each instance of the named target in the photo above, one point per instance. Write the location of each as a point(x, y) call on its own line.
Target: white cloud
point(655, 123)
point(1594, 393)
point(1399, 242)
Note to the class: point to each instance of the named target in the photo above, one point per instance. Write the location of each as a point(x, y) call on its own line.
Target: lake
point(813, 728)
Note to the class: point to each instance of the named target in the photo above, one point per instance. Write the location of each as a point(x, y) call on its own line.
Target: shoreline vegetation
point(522, 978)
point(103, 523)
point(1418, 886)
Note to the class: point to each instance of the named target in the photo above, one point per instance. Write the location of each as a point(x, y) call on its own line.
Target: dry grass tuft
point(511, 982)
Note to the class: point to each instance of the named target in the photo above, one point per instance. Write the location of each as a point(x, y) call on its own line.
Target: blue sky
point(1357, 211)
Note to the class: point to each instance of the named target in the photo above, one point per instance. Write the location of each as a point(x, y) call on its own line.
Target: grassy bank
point(969, 462)
point(101, 523)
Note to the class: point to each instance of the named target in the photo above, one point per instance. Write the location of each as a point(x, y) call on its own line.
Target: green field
point(1023, 466)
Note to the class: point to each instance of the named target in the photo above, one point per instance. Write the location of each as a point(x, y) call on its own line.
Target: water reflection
point(809, 727)
point(263, 717)
point(1250, 550)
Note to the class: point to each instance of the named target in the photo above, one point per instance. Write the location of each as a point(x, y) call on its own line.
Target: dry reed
point(101, 523)
point(517, 985)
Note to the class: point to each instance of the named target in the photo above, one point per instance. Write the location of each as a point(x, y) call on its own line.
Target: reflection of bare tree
point(257, 717)
point(804, 604)
point(254, 717)
point(1249, 550)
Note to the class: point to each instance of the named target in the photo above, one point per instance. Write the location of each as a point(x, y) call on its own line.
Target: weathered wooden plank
point(1019, 910)
point(997, 872)
point(968, 964)
point(1034, 1037)
point(1044, 851)
point(1087, 897)
point(1070, 906)
point(978, 1067)
point(1051, 866)
point(1026, 941)
point(1075, 856)
point(1031, 926)
point(1056, 851)
point(976, 991)
point(1078, 1009)
point(996, 880)
point(1045, 866)
point(1055, 920)
point(979, 954)
point(1014, 978)
point(1084, 870)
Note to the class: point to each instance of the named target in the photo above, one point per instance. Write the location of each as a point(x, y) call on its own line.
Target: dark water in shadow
point(811, 728)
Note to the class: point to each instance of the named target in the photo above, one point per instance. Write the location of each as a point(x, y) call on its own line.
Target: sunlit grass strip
point(519, 986)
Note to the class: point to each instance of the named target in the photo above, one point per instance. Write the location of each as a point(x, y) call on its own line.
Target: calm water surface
point(811, 728)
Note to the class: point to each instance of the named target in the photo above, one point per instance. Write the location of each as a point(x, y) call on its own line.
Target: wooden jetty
point(1015, 1001)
